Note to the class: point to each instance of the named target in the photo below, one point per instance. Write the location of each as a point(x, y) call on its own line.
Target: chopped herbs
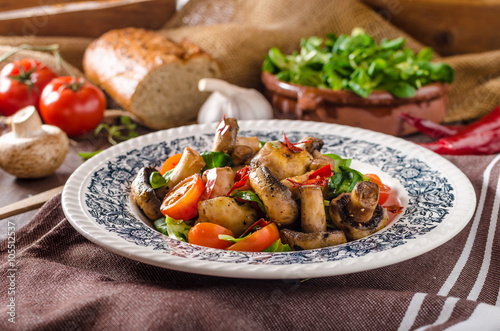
point(124, 131)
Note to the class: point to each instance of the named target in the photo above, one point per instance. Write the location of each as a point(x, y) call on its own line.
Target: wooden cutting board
point(88, 18)
point(449, 26)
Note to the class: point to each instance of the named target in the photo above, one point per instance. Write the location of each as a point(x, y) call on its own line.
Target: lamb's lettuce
point(357, 63)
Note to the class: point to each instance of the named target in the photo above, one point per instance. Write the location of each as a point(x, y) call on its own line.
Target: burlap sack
point(239, 33)
point(60, 68)
point(71, 49)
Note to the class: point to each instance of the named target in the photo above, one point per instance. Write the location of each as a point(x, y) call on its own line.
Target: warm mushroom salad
point(249, 195)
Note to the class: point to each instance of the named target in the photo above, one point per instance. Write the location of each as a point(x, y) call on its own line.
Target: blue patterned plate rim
point(438, 198)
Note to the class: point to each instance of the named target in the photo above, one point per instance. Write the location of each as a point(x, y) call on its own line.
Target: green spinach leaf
point(216, 160)
point(173, 228)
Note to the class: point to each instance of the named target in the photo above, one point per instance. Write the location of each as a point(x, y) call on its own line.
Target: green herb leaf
point(402, 90)
point(249, 196)
point(232, 239)
point(156, 180)
point(173, 228)
point(392, 44)
point(425, 54)
point(216, 160)
point(344, 181)
point(87, 155)
point(277, 247)
point(339, 162)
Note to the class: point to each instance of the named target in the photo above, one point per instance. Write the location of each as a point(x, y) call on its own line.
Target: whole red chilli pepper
point(491, 121)
point(474, 143)
point(430, 128)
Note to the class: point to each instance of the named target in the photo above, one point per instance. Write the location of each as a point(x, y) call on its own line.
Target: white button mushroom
point(32, 150)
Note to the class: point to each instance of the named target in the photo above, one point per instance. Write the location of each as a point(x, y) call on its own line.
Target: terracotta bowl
point(378, 112)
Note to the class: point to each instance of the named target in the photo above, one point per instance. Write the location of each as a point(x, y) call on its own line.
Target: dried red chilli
point(241, 173)
point(252, 204)
point(319, 177)
point(395, 209)
point(489, 122)
point(292, 147)
point(241, 179)
point(430, 128)
point(324, 171)
point(479, 138)
point(321, 181)
point(222, 127)
point(259, 224)
point(478, 143)
point(211, 175)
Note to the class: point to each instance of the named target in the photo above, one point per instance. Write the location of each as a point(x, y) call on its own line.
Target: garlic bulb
point(32, 149)
point(232, 101)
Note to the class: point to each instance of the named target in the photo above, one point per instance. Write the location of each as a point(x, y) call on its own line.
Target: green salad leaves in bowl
point(353, 80)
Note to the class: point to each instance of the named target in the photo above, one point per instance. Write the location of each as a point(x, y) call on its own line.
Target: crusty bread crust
point(151, 76)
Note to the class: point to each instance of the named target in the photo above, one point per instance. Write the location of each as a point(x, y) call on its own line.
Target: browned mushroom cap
point(148, 199)
point(353, 230)
point(276, 197)
point(228, 213)
point(311, 144)
point(245, 149)
point(302, 241)
point(364, 200)
point(225, 136)
point(320, 160)
point(280, 161)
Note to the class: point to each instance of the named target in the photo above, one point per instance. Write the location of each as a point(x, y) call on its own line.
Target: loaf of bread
point(149, 75)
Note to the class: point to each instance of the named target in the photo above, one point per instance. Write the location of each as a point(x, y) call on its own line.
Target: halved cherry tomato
point(207, 234)
point(170, 163)
point(385, 190)
point(257, 241)
point(182, 202)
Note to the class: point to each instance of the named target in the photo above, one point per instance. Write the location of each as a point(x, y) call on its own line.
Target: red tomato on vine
point(21, 84)
point(73, 104)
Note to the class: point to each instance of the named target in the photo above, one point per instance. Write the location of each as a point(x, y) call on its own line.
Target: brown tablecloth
point(59, 280)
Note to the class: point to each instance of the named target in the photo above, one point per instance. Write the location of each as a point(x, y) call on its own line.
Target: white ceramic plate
point(438, 202)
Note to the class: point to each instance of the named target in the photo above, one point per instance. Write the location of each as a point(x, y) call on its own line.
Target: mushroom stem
point(313, 216)
point(26, 123)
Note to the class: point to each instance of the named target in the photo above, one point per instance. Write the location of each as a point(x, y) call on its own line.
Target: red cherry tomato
point(181, 202)
point(21, 84)
point(72, 104)
point(385, 190)
point(257, 241)
point(207, 234)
